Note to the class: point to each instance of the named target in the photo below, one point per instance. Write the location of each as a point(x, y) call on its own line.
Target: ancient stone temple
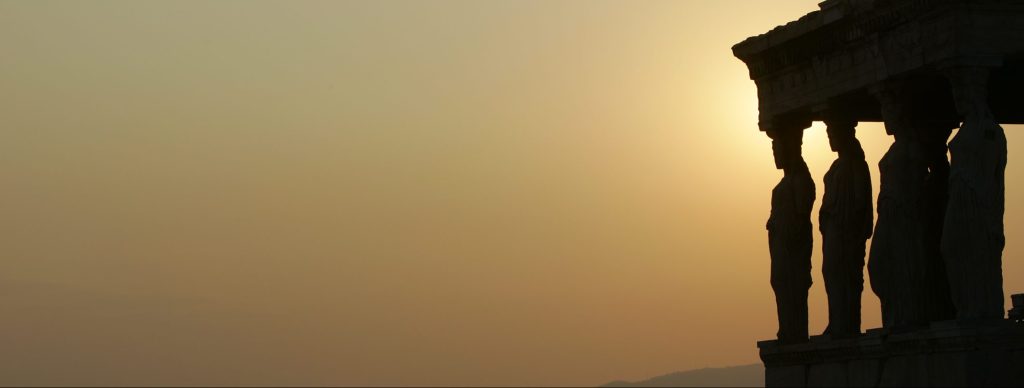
point(924, 68)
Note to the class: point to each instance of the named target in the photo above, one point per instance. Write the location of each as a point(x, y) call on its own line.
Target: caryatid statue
point(972, 238)
point(789, 235)
point(845, 220)
point(934, 134)
point(898, 255)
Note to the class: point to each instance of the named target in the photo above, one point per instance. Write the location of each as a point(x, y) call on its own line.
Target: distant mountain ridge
point(734, 376)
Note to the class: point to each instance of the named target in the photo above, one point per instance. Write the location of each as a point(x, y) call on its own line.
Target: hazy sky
point(390, 192)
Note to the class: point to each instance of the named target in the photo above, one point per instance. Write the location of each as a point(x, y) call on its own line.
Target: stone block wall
point(944, 354)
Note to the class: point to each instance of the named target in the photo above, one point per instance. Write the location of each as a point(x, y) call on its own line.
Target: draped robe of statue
point(790, 244)
point(973, 239)
point(846, 218)
point(898, 251)
point(940, 302)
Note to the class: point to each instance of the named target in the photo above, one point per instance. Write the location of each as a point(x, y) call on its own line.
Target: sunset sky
point(435, 192)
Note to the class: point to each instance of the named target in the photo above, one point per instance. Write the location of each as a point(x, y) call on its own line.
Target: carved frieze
point(850, 45)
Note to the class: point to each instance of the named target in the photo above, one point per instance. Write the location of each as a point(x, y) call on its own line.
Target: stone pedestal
point(948, 353)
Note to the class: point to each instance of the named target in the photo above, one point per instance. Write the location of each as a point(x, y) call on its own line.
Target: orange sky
point(390, 193)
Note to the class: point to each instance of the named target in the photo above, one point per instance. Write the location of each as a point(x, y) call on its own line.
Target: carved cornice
point(835, 54)
point(827, 30)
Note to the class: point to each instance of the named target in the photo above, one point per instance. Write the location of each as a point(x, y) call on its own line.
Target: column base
point(947, 353)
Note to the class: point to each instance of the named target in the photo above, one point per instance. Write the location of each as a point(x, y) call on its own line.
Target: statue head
point(970, 90)
point(841, 134)
point(786, 147)
point(894, 118)
point(893, 101)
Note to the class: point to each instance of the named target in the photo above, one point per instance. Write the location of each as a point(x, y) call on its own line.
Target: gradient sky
point(390, 192)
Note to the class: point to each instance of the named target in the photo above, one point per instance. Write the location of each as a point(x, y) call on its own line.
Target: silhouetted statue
point(846, 218)
point(973, 240)
point(936, 194)
point(789, 236)
point(897, 252)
